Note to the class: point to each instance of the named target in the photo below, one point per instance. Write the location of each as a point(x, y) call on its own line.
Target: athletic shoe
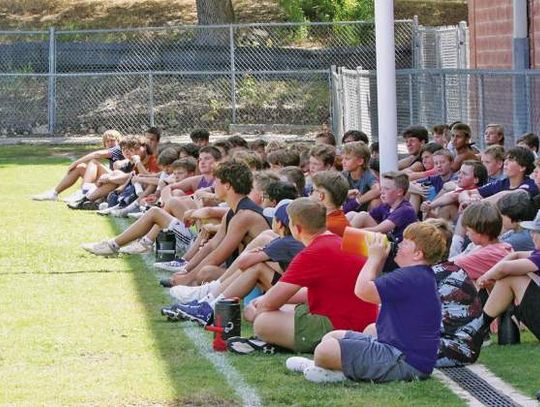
point(298, 364)
point(201, 313)
point(473, 333)
point(46, 196)
point(245, 346)
point(176, 265)
point(135, 215)
point(136, 248)
point(172, 312)
point(76, 196)
point(317, 374)
point(123, 212)
point(165, 282)
point(100, 249)
point(106, 211)
point(84, 204)
point(185, 294)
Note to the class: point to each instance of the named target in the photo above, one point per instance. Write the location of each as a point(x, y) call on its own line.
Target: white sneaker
point(135, 215)
point(123, 213)
point(106, 210)
point(185, 294)
point(317, 374)
point(298, 364)
point(175, 266)
point(76, 196)
point(46, 196)
point(100, 249)
point(135, 248)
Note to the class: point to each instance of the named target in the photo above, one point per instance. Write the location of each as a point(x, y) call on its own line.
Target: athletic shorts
point(309, 329)
point(365, 358)
point(528, 311)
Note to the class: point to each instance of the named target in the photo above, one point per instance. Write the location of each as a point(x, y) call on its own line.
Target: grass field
point(81, 330)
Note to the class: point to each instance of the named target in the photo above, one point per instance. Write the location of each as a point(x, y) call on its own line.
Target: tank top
point(204, 183)
point(245, 203)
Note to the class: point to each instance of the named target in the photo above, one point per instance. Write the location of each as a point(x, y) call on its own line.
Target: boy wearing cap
point(259, 266)
point(514, 280)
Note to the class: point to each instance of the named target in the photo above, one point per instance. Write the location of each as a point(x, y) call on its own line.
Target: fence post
point(443, 98)
point(529, 102)
point(462, 45)
point(411, 100)
point(481, 105)
point(233, 74)
point(415, 43)
point(51, 90)
point(151, 98)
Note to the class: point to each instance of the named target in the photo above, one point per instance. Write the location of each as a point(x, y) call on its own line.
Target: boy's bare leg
point(143, 225)
point(416, 201)
point(94, 170)
point(276, 327)
point(504, 292)
point(102, 191)
point(362, 220)
point(247, 280)
point(70, 178)
point(448, 212)
point(328, 352)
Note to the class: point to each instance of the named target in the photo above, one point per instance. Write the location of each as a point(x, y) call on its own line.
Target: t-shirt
point(520, 240)
point(410, 315)
point(283, 250)
point(362, 184)
point(504, 185)
point(336, 222)
point(402, 216)
point(330, 276)
point(114, 154)
point(481, 258)
point(535, 258)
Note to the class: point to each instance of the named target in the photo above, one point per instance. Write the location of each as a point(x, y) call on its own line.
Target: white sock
point(146, 241)
point(215, 300)
point(113, 244)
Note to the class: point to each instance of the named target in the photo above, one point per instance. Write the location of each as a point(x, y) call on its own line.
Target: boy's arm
point(187, 184)
point(365, 287)
point(248, 259)
point(374, 192)
point(277, 296)
point(94, 155)
point(505, 268)
point(226, 242)
point(384, 227)
point(445, 199)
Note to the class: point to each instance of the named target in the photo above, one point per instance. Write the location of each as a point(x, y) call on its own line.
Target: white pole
point(386, 84)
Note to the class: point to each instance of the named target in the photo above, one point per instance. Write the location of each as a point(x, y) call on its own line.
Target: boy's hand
point(135, 159)
point(378, 246)
point(352, 193)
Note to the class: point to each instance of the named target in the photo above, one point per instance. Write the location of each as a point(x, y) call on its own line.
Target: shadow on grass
point(62, 272)
point(171, 346)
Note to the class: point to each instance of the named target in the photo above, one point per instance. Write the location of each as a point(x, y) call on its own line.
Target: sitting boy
point(363, 185)
point(88, 168)
point(395, 213)
point(330, 188)
point(408, 325)
point(260, 266)
point(327, 302)
point(514, 280)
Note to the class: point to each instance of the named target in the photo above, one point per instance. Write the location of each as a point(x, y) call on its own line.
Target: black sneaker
point(474, 333)
point(84, 204)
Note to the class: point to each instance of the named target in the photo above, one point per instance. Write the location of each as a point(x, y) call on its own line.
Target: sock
point(457, 246)
point(86, 186)
point(146, 241)
point(215, 300)
point(113, 244)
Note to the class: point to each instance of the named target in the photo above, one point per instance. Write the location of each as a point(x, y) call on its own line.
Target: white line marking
point(248, 394)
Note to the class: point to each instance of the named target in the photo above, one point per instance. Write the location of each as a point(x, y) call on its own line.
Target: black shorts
point(528, 311)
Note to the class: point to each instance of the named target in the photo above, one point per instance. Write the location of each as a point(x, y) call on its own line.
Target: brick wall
point(490, 23)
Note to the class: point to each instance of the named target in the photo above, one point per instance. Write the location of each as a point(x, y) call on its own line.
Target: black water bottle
point(508, 330)
point(165, 246)
point(227, 316)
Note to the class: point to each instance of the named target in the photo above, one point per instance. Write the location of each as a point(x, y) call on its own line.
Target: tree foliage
point(328, 10)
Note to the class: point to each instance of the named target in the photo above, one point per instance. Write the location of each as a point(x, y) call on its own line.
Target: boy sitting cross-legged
point(408, 325)
point(297, 318)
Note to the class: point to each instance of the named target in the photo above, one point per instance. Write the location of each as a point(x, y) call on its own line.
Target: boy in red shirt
point(327, 302)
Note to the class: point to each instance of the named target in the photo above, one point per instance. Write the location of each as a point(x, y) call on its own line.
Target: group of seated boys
point(454, 242)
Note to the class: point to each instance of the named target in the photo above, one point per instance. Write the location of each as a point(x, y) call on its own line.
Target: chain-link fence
point(437, 96)
point(182, 77)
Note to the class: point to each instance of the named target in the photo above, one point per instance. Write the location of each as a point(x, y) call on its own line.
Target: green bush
point(328, 10)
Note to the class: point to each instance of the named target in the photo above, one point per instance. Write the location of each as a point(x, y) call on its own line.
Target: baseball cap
point(532, 224)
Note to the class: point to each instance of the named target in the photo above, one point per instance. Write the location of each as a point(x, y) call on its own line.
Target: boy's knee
point(262, 326)
point(327, 351)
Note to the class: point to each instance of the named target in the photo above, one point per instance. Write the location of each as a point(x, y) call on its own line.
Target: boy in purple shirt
point(395, 213)
point(407, 329)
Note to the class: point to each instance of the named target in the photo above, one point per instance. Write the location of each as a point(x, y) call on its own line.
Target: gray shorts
point(364, 358)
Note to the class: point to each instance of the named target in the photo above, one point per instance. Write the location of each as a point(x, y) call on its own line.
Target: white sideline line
point(249, 396)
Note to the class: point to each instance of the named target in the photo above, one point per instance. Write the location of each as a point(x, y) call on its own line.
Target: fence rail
point(437, 96)
point(186, 76)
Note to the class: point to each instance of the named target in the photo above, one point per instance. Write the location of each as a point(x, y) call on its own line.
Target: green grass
point(81, 330)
